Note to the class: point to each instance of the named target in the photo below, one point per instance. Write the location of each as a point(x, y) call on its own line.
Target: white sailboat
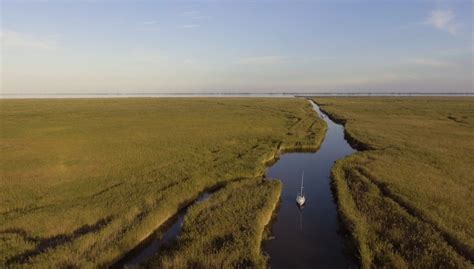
point(300, 199)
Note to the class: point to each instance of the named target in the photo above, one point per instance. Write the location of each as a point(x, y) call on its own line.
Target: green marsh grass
point(407, 197)
point(226, 230)
point(83, 181)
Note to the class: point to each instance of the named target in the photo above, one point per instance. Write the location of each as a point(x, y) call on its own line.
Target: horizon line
point(204, 94)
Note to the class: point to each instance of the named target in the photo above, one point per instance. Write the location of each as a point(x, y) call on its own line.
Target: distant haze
point(87, 47)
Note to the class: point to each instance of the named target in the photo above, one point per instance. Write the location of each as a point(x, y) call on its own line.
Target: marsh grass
point(407, 197)
point(226, 230)
point(83, 181)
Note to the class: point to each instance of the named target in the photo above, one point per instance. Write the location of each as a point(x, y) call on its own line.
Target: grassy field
point(407, 198)
point(82, 181)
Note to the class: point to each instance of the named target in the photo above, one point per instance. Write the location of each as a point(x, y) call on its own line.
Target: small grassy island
point(83, 181)
point(406, 197)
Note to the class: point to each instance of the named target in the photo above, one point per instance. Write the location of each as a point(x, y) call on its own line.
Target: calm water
point(310, 237)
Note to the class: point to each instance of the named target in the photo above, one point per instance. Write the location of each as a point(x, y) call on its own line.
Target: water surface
point(309, 237)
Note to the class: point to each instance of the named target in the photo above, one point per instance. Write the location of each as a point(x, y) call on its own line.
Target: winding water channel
point(302, 238)
point(309, 237)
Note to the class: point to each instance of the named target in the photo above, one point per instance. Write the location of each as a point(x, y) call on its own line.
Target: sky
point(141, 46)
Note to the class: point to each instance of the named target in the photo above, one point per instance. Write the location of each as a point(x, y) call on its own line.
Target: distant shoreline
point(274, 95)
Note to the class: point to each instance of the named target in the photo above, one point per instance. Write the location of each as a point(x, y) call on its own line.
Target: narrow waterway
point(160, 238)
point(309, 237)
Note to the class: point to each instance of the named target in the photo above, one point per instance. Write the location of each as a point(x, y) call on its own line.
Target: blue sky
point(235, 46)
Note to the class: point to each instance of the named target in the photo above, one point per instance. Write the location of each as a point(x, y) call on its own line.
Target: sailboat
point(300, 199)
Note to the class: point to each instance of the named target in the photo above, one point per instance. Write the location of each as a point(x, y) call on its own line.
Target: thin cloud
point(443, 20)
point(148, 22)
point(150, 25)
point(201, 17)
point(189, 26)
point(428, 62)
point(148, 28)
point(279, 59)
point(190, 13)
point(17, 40)
point(264, 60)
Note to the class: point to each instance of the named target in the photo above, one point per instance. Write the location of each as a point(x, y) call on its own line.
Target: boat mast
point(302, 177)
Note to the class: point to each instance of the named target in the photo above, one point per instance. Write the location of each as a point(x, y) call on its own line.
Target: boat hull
point(300, 200)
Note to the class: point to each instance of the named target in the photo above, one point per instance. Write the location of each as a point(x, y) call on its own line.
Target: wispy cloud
point(150, 25)
point(428, 62)
point(151, 22)
point(201, 17)
point(264, 60)
point(280, 59)
point(443, 20)
point(12, 39)
point(195, 15)
point(190, 13)
point(189, 26)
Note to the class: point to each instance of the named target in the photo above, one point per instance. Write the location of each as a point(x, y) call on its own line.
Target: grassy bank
point(83, 181)
point(407, 198)
point(225, 231)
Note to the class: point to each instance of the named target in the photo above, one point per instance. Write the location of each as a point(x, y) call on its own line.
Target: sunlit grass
point(83, 181)
point(408, 199)
point(225, 231)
